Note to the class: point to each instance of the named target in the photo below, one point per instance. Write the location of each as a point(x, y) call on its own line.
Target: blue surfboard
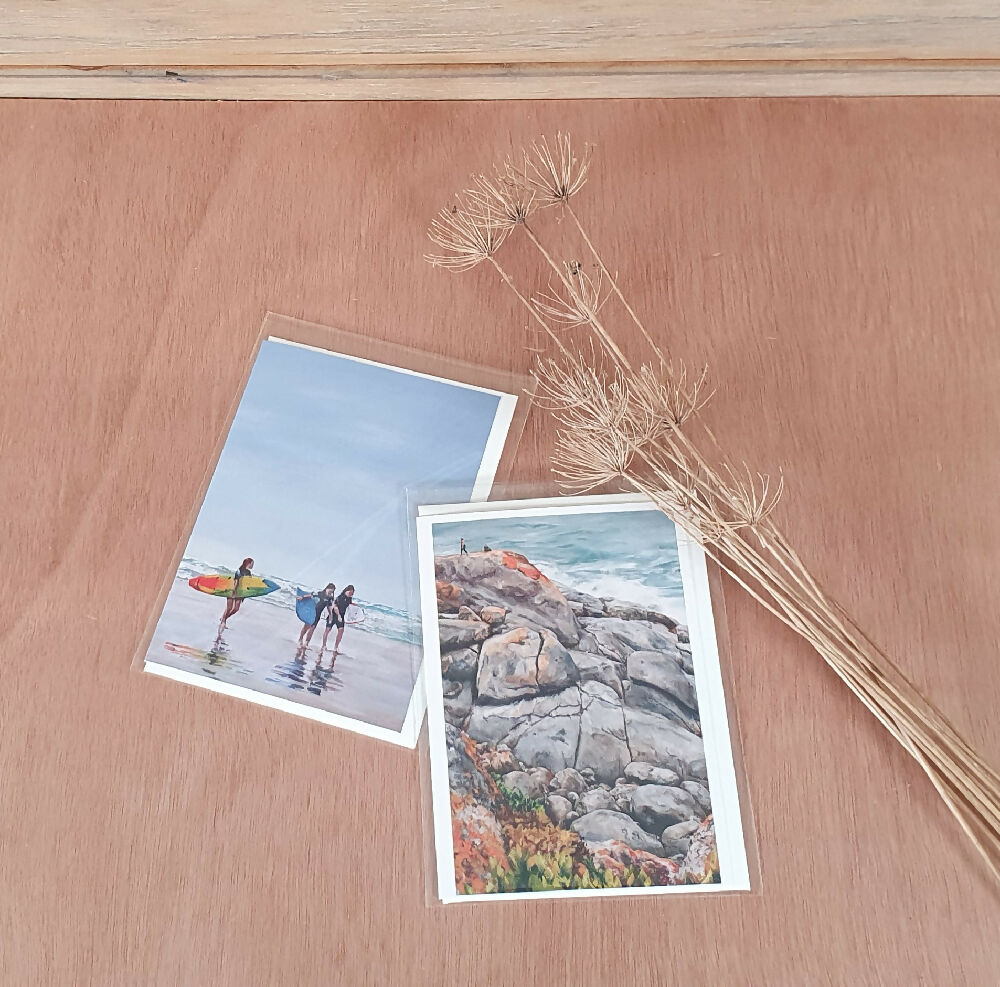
point(305, 609)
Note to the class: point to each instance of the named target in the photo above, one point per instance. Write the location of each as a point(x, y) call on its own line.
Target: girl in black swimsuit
point(324, 601)
point(336, 616)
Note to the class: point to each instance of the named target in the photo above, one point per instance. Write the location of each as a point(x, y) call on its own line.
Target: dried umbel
point(635, 423)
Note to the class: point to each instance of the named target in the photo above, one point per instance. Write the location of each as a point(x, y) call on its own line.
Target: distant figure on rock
point(486, 548)
point(462, 550)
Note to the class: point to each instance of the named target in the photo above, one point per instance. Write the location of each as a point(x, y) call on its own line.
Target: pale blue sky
point(311, 483)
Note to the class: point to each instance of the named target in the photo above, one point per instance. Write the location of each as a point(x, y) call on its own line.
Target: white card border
point(719, 760)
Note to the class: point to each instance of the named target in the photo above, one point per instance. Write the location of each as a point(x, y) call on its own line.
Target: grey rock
point(700, 794)
point(522, 662)
point(597, 668)
point(597, 827)
point(556, 668)
point(626, 611)
point(642, 696)
point(676, 839)
point(662, 670)
point(622, 794)
point(558, 808)
point(460, 666)
point(617, 637)
point(493, 615)
point(467, 613)
point(686, 828)
point(508, 666)
point(457, 707)
point(660, 741)
point(635, 611)
point(571, 817)
point(697, 769)
point(569, 779)
point(583, 603)
point(454, 633)
point(551, 736)
point(508, 580)
point(603, 748)
point(596, 798)
point(643, 773)
point(655, 807)
point(543, 775)
point(450, 689)
point(588, 644)
point(686, 663)
point(529, 786)
point(682, 634)
point(661, 618)
point(494, 724)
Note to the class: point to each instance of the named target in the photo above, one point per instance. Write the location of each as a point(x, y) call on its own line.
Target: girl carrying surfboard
point(325, 600)
point(234, 601)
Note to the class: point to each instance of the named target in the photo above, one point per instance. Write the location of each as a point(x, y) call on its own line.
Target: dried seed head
point(469, 232)
point(752, 497)
point(581, 467)
point(668, 394)
point(553, 171)
point(580, 302)
point(499, 200)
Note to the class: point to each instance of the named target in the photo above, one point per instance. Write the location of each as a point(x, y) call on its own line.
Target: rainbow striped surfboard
point(219, 585)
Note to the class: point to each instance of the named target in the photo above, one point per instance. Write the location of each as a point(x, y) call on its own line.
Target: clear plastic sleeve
point(581, 735)
point(290, 585)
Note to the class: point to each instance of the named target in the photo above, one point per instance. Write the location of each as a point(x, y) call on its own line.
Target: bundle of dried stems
point(636, 423)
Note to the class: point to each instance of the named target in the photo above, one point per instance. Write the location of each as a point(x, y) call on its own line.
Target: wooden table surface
point(836, 263)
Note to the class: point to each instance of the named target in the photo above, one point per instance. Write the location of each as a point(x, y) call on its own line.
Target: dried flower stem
point(641, 427)
point(602, 334)
point(614, 282)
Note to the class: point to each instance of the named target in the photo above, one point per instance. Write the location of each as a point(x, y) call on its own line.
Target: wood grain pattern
point(534, 81)
point(387, 49)
point(835, 262)
point(366, 31)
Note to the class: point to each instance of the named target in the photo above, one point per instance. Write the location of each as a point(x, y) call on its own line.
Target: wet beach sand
point(371, 679)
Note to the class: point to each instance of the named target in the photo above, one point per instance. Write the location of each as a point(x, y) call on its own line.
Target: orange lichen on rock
point(448, 594)
point(514, 561)
point(478, 844)
point(616, 857)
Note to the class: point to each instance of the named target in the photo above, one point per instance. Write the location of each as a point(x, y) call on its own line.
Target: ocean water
point(397, 625)
point(628, 555)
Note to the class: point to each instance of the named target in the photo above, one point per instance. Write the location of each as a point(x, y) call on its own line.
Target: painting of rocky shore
point(575, 756)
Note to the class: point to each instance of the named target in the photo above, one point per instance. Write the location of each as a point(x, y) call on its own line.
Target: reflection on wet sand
point(371, 681)
point(297, 674)
point(218, 655)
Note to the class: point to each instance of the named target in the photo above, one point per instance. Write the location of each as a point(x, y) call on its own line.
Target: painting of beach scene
point(295, 583)
point(578, 731)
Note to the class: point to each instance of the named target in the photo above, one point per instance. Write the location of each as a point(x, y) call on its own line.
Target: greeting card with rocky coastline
point(579, 738)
